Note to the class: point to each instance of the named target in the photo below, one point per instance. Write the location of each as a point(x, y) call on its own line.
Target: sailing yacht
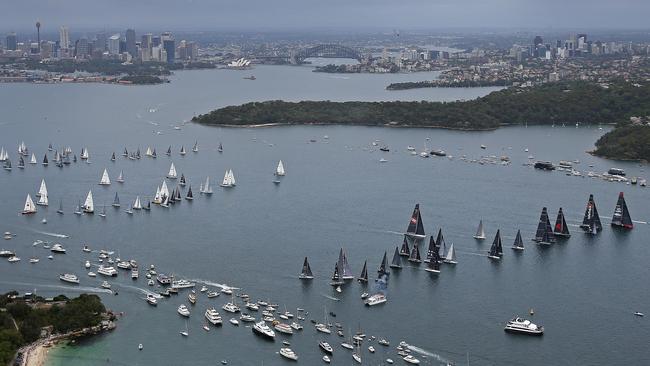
point(206, 188)
point(45, 162)
point(182, 152)
point(77, 209)
point(137, 205)
point(305, 273)
point(382, 270)
point(544, 233)
point(433, 247)
point(103, 212)
point(591, 221)
point(105, 180)
point(363, 277)
point(116, 200)
point(496, 250)
point(621, 218)
point(148, 153)
point(7, 165)
point(220, 148)
point(344, 267)
point(89, 206)
point(228, 179)
point(85, 155)
point(42, 199)
point(518, 244)
point(195, 148)
point(415, 228)
point(434, 264)
point(189, 195)
point(480, 232)
point(113, 156)
point(450, 258)
point(415, 255)
point(60, 210)
point(172, 172)
point(120, 178)
point(397, 261)
point(33, 159)
point(21, 163)
point(182, 181)
point(279, 171)
point(561, 228)
point(336, 277)
point(169, 151)
point(404, 250)
point(29, 208)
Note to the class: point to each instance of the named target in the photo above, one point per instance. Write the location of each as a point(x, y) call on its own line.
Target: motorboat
point(384, 342)
point(70, 278)
point(107, 271)
point(410, 359)
point(247, 318)
point(227, 291)
point(184, 311)
point(151, 299)
point(212, 294)
point(347, 345)
point(106, 285)
point(323, 328)
point(163, 279)
point(264, 330)
point(230, 307)
point(192, 298)
point(92, 274)
point(325, 347)
point(87, 264)
point(124, 265)
point(6, 253)
point(151, 282)
point(212, 315)
point(288, 353)
point(375, 299)
point(523, 326)
point(204, 289)
point(234, 321)
point(283, 328)
point(182, 284)
point(296, 326)
point(252, 306)
point(57, 248)
point(326, 359)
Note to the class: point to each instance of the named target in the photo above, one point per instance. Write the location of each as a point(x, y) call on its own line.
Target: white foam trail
point(471, 253)
point(142, 290)
point(53, 234)
point(331, 297)
point(640, 222)
point(67, 288)
point(210, 283)
point(428, 353)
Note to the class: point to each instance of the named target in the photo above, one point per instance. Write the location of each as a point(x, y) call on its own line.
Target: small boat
point(120, 178)
point(325, 347)
point(363, 277)
point(234, 321)
point(116, 201)
point(29, 208)
point(183, 152)
point(409, 358)
point(192, 298)
point(480, 232)
point(375, 299)
point(13, 259)
point(92, 274)
point(106, 285)
point(247, 318)
point(105, 179)
point(561, 228)
point(172, 172)
point(397, 261)
point(640, 314)
point(228, 179)
point(279, 170)
point(371, 349)
point(60, 210)
point(264, 330)
point(151, 300)
point(384, 342)
point(450, 258)
point(523, 326)
point(220, 148)
point(185, 332)
point(140, 346)
point(544, 234)
point(326, 359)
point(195, 148)
point(183, 310)
point(414, 257)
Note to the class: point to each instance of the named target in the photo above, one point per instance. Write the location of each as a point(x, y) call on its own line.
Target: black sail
point(561, 228)
point(621, 216)
point(496, 250)
point(591, 221)
point(306, 269)
point(433, 248)
point(364, 273)
point(519, 243)
point(541, 225)
point(397, 261)
point(415, 227)
point(441, 244)
point(404, 250)
point(189, 194)
point(415, 254)
point(383, 265)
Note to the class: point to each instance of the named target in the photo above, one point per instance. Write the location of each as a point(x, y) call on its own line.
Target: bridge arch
point(326, 51)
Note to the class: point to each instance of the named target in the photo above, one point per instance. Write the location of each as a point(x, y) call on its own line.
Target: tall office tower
point(146, 41)
point(64, 38)
point(100, 42)
point(130, 43)
point(169, 45)
point(12, 44)
point(114, 44)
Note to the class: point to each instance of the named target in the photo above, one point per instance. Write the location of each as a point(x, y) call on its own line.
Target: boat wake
point(142, 290)
point(429, 354)
point(331, 297)
point(214, 284)
point(63, 236)
point(96, 290)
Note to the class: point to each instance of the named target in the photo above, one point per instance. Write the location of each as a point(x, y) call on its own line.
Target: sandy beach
point(36, 353)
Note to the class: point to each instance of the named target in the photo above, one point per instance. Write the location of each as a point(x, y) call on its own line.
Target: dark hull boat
point(397, 261)
point(544, 234)
point(344, 267)
point(416, 228)
point(190, 196)
point(405, 251)
point(591, 222)
point(561, 228)
point(306, 273)
point(441, 245)
point(496, 250)
point(415, 255)
point(621, 216)
point(363, 277)
point(434, 263)
point(382, 270)
point(337, 280)
point(433, 248)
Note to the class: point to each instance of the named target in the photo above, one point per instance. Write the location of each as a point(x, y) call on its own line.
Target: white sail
point(226, 180)
point(120, 178)
point(42, 200)
point(33, 159)
point(84, 154)
point(232, 178)
point(29, 205)
point(480, 233)
point(2, 154)
point(89, 206)
point(156, 197)
point(205, 188)
point(149, 152)
point(451, 255)
point(172, 172)
point(42, 191)
point(280, 169)
point(137, 205)
point(164, 191)
point(105, 181)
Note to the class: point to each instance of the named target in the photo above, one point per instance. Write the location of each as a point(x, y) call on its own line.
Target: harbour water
point(336, 194)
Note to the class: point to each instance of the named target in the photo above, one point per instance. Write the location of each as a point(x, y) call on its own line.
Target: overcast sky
point(286, 14)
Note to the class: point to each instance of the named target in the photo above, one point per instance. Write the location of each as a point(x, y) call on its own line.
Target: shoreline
point(280, 124)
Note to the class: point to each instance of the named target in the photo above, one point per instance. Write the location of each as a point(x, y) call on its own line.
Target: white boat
point(371, 349)
point(33, 159)
point(105, 180)
point(120, 178)
point(42, 189)
point(183, 310)
point(288, 353)
point(279, 171)
point(228, 179)
point(85, 155)
point(212, 294)
point(480, 232)
point(247, 318)
point(137, 205)
point(34, 260)
point(389, 361)
point(326, 359)
point(323, 328)
point(450, 258)
point(325, 347)
point(106, 285)
point(151, 299)
point(206, 188)
point(384, 342)
point(230, 307)
point(29, 208)
point(356, 357)
point(410, 359)
point(523, 326)
point(172, 172)
point(283, 328)
point(107, 271)
point(89, 206)
point(43, 200)
point(252, 306)
point(234, 321)
point(87, 265)
point(375, 299)
point(57, 248)
point(264, 330)
point(182, 284)
point(13, 259)
point(92, 274)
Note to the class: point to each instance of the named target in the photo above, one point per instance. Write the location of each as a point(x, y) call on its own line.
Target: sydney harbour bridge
point(297, 57)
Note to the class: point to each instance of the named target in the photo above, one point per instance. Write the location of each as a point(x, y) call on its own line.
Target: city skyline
point(295, 14)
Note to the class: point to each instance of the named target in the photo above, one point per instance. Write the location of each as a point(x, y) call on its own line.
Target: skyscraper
point(169, 45)
point(11, 42)
point(146, 41)
point(100, 42)
point(130, 43)
point(114, 44)
point(64, 38)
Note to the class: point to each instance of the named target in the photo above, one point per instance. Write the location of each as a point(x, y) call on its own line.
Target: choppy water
point(336, 193)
